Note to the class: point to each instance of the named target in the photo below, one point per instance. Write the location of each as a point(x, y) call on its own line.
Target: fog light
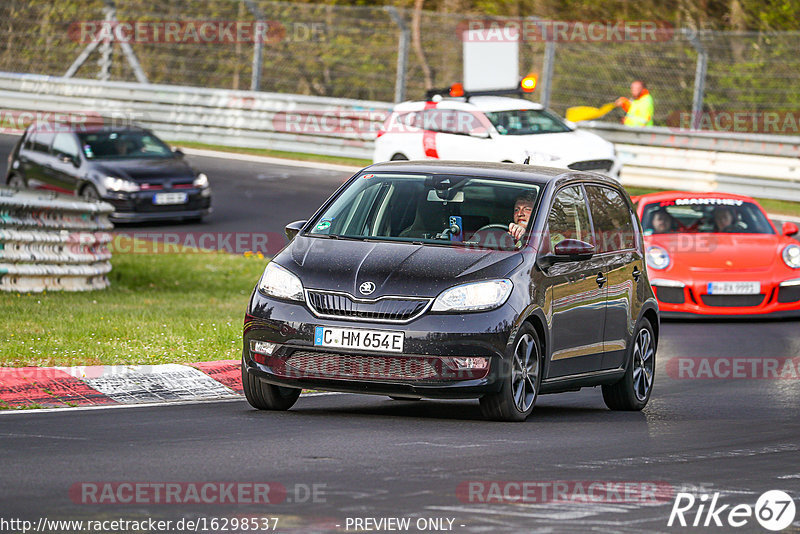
point(459, 363)
point(262, 347)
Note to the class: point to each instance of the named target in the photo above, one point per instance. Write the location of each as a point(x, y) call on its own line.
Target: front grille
point(592, 165)
point(732, 301)
point(670, 295)
point(305, 364)
point(789, 294)
point(386, 309)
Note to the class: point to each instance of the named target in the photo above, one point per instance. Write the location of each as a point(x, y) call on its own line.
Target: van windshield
point(447, 210)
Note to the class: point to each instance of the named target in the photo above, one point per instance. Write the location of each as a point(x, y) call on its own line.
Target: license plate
point(734, 288)
point(350, 338)
point(169, 198)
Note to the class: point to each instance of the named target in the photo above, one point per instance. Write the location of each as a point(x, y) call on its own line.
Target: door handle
point(601, 280)
point(636, 274)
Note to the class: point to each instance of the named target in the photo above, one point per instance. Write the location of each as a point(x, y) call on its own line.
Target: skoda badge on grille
point(366, 288)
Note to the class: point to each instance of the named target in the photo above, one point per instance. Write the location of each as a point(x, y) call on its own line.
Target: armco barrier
point(758, 165)
point(752, 164)
point(213, 116)
point(52, 242)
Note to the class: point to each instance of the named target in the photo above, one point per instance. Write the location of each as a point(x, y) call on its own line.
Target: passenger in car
point(663, 222)
point(725, 219)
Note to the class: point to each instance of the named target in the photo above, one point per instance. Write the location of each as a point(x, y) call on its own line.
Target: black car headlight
point(280, 283)
point(475, 296)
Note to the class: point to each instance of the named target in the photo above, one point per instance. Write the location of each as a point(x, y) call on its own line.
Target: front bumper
point(693, 300)
point(429, 338)
point(139, 206)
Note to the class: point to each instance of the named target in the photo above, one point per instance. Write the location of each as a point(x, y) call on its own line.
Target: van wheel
point(523, 378)
point(89, 193)
point(633, 390)
point(399, 157)
point(16, 181)
point(263, 396)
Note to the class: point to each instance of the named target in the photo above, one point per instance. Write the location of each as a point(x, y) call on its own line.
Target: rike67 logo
point(774, 510)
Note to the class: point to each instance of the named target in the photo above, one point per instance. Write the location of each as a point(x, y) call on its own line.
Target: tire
point(16, 181)
point(399, 157)
point(522, 380)
point(632, 391)
point(89, 193)
point(263, 396)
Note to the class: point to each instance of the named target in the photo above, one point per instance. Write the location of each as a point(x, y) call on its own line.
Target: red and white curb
point(118, 384)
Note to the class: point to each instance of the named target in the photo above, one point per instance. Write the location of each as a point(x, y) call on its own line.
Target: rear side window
point(65, 144)
point(453, 121)
point(42, 141)
point(568, 218)
point(613, 220)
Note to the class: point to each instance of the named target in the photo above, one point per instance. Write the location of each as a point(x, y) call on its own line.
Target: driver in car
point(523, 208)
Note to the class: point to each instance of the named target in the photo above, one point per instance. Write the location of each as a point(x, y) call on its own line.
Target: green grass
point(277, 153)
point(160, 308)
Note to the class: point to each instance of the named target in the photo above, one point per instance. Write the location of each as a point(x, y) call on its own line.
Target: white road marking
point(268, 160)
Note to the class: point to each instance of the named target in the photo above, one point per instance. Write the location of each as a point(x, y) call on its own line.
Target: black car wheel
point(89, 193)
point(632, 392)
point(16, 181)
point(523, 378)
point(266, 396)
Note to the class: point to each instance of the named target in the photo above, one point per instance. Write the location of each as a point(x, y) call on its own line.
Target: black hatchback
point(130, 168)
point(458, 280)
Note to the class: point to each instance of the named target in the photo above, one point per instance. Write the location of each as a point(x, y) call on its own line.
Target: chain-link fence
point(356, 52)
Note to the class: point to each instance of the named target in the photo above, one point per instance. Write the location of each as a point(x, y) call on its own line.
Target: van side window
point(42, 141)
point(613, 220)
point(65, 145)
point(568, 218)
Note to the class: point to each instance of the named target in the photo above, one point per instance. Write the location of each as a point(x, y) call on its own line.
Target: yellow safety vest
point(640, 113)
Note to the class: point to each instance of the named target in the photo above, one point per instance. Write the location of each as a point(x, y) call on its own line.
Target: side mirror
point(293, 228)
point(480, 134)
point(66, 158)
point(789, 228)
point(178, 152)
point(568, 250)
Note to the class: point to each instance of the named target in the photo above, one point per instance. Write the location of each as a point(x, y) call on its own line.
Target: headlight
point(657, 258)
point(201, 180)
point(278, 282)
point(474, 296)
point(791, 256)
point(118, 184)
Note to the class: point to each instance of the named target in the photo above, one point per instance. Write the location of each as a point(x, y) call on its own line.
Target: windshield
point(705, 215)
point(123, 144)
point(442, 209)
point(526, 122)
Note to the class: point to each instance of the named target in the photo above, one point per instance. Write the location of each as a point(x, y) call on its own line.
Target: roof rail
point(446, 92)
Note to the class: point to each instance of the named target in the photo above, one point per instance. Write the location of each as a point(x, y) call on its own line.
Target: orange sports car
point(717, 254)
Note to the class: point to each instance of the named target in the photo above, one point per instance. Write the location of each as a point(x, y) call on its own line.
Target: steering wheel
point(491, 226)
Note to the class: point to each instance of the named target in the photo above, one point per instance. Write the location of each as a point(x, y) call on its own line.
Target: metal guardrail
point(758, 165)
point(52, 242)
point(765, 166)
point(213, 116)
